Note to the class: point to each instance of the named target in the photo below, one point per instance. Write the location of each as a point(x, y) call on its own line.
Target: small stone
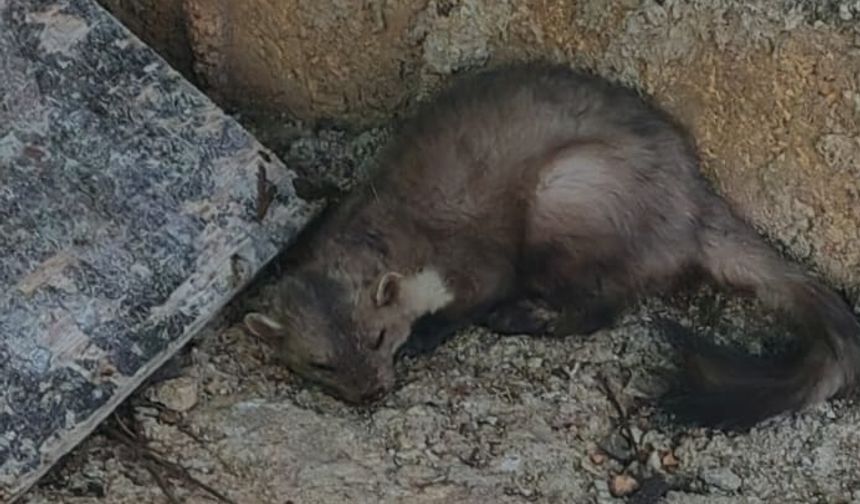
point(597, 457)
point(169, 416)
point(419, 475)
point(178, 394)
point(669, 461)
point(654, 461)
point(511, 463)
point(622, 485)
point(601, 488)
point(617, 446)
point(722, 478)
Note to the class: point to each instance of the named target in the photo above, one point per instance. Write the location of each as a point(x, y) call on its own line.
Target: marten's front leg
point(530, 316)
point(477, 288)
point(586, 316)
point(430, 331)
point(535, 317)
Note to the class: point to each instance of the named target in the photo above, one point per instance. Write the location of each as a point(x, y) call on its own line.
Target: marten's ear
point(388, 289)
point(262, 326)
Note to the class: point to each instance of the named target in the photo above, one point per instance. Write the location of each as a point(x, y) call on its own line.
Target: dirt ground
point(483, 419)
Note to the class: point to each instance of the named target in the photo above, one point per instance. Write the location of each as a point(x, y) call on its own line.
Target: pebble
point(622, 485)
point(597, 457)
point(654, 461)
point(178, 394)
point(722, 478)
point(534, 363)
point(616, 446)
point(601, 489)
point(669, 461)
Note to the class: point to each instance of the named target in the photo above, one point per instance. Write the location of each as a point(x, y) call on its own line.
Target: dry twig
point(265, 193)
point(160, 468)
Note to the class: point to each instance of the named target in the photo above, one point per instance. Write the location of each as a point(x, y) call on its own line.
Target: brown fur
point(538, 184)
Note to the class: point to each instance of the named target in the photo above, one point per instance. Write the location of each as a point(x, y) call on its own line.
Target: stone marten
point(537, 187)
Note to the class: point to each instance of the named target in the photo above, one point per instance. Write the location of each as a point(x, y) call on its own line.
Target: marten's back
point(474, 149)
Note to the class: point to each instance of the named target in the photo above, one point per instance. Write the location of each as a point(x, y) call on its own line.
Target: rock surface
point(179, 394)
point(127, 219)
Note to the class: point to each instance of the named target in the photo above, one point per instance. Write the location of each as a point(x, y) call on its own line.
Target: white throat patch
point(425, 292)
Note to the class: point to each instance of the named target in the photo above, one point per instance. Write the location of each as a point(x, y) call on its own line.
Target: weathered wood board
point(128, 209)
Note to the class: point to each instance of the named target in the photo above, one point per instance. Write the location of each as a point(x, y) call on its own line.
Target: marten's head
point(345, 337)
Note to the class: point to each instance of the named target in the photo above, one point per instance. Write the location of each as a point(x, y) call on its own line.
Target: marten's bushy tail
point(726, 389)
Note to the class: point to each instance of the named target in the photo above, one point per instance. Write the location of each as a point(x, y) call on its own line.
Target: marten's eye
point(380, 338)
point(322, 366)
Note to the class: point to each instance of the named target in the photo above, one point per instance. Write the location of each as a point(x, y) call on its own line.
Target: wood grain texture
point(127, 220)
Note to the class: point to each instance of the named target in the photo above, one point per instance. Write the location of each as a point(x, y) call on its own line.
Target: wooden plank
point(128, 209)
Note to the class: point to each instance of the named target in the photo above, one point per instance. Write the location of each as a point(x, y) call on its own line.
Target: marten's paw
point(523, 317)
point(428, 333)
point(585, 320)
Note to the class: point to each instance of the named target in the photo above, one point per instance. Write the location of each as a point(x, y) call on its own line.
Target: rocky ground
point(483, 419)
point(771, 89)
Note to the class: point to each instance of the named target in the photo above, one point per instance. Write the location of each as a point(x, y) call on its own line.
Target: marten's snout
point(379, 382)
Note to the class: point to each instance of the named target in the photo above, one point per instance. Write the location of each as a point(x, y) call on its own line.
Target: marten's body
point(537, 183)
